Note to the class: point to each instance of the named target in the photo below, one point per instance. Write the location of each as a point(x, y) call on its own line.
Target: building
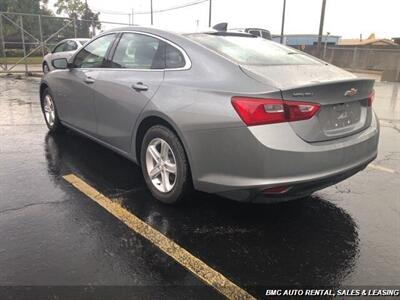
point(306, 40)
point(371, 41)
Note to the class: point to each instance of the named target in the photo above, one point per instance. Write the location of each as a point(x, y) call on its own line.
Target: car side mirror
point(60, 63)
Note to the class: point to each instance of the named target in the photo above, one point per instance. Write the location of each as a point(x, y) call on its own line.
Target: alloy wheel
point(49, 110)
point(161, 165)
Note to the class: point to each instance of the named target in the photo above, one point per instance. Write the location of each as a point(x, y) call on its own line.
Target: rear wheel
point(50, 112)
point(165, 166)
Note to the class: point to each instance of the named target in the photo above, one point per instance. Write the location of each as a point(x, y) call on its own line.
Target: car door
point(135, 73)
point(75, 86)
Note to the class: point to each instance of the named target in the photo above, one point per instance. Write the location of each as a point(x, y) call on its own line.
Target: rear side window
point(138, 51)
point(255, 32)
point(253, 50)
point(70, 46)
point(173, 57)
point(266, 34)
point(93, 55)
point(83, 42)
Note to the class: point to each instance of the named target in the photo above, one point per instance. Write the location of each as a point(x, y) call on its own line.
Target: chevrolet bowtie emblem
point(350, 93)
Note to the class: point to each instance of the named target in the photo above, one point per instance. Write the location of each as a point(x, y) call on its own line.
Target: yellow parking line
point(179, 254)
point(380, 168)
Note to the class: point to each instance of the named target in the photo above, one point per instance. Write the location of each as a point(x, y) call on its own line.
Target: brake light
point(371, 97)
point(257, 111)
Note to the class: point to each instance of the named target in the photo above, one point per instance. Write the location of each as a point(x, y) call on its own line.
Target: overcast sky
point(347, 18)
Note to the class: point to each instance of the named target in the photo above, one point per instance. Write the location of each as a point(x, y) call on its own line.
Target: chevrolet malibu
point(217, 111)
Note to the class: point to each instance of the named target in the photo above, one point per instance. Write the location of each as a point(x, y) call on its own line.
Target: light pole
point(209, 13)
point(151, 11)
point(283, 20)
point(321, 28)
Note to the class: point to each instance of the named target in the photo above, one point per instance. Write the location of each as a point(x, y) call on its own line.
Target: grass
point(13, 60)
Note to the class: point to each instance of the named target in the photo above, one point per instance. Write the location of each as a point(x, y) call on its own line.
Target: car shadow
point(307, 242)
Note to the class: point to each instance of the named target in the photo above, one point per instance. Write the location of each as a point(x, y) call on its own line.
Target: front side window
point(59, 48)
point(252, 50)
point(138, 51)
point(93, 55)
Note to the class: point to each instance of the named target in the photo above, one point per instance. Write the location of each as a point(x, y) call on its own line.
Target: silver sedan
point(64, 49)
point(217, 111)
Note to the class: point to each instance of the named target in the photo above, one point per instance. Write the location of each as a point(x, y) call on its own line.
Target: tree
point(77, 9)
point(22, 6)
point(11, 31)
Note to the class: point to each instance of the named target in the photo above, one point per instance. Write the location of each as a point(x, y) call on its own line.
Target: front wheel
point(50, 112)
point(164, 165)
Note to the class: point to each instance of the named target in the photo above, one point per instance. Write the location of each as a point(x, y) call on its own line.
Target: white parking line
point(210, 276)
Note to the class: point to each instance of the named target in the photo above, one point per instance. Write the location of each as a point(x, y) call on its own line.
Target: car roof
point(165, 33)
point(75, 40)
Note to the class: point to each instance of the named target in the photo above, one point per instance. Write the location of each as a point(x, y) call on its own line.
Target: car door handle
point(139, 86)
point(89, 80)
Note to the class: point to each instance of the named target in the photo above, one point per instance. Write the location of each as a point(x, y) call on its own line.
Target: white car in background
point(63, 49)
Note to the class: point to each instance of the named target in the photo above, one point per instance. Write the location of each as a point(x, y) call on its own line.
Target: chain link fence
point(379, 60)
point(26, 38)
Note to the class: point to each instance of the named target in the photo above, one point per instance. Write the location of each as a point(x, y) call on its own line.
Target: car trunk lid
point(343, 98)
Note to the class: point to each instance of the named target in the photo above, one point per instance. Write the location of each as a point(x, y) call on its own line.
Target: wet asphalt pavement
point(53, 235)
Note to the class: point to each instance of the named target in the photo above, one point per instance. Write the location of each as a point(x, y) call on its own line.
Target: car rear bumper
point(234, 161)
point(296, 191)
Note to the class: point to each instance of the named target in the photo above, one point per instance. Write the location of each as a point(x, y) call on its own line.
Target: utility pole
point(209, 13)
point(321, 28)
point(283, 20)
point(133, 17)
point(151, 11)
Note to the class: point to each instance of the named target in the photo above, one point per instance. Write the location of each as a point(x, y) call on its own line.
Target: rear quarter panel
point(199, 99)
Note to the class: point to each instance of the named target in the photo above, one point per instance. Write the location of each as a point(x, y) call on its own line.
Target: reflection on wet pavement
point(306, 242)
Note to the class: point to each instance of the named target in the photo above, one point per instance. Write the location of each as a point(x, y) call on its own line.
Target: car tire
point(46, 68)
point(50, 112)
point(161, 154)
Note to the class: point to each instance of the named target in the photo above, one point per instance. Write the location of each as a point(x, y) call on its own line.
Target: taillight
point(371, 97)
point(257, 111)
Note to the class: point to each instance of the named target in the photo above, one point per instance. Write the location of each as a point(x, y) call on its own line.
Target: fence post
point(353, 61)
point(93, 28)
point(23, 44)
point(75, 33)
point(332, 55)
point(3, 46)
point(41, 34)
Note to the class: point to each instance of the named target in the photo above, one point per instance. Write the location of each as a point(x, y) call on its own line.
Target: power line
point(154, 11)
point(172, 7)
point(109, 12)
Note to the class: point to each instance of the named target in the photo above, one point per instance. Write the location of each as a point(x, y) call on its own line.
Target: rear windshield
point(252, 50)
